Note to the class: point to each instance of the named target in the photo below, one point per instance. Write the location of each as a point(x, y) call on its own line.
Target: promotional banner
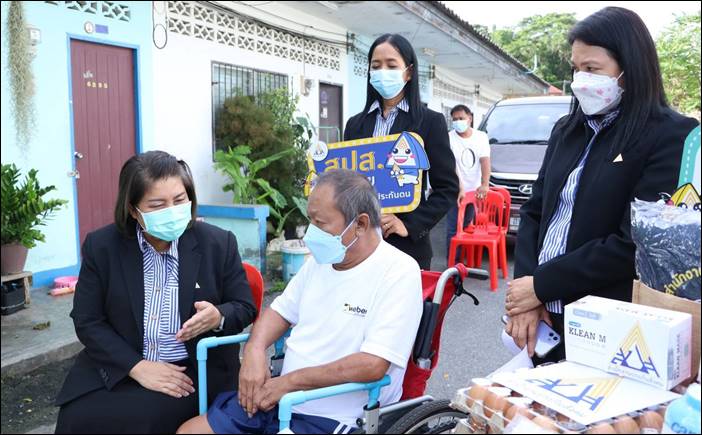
point(393, 164)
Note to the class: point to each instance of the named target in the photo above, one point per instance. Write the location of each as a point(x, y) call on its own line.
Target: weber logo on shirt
point(356, 311)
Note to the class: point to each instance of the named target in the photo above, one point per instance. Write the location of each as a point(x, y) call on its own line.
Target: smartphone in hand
point(546, 338)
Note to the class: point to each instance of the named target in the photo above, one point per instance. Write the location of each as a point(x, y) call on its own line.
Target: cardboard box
point(645, 295)
point(643, 343)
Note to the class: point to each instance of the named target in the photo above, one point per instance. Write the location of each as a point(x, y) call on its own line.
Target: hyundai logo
point(525, 189)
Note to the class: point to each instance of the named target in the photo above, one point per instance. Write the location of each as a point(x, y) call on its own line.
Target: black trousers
point(128, 408)
point(558, 352)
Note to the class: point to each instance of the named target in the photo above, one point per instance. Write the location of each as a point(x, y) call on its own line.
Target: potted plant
point(254, 200)
point(267, 124)
point(23, 211)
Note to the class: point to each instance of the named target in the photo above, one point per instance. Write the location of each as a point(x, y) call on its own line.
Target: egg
point(651, 420)
point(477, 392)
point(489, 404)
point(602, 428)
point(483, 382)
point(496, 400)
point(626, 425)
point(562, 418)
point(545, 423)
point(517, 409)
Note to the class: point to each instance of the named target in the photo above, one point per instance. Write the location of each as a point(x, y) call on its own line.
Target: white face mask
point(460, 125)
point(596, 93)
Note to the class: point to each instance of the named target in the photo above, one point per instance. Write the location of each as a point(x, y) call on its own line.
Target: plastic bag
point(667, 242)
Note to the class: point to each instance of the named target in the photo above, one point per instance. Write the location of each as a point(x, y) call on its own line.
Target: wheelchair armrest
point(209, 342)
point(202, 347)
point(298, 397)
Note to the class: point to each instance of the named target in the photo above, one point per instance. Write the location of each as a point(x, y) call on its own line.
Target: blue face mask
point(388, 82)
point(326, 248)
point(460, 125)
point(169, 223)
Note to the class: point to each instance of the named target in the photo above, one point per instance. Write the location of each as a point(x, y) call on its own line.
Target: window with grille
point(231, 80)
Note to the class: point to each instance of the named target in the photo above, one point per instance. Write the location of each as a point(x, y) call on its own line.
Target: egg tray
point(495, 421)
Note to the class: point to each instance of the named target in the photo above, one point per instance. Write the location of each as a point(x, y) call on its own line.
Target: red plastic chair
point(475, 259)
point(484, 232)
point(256, 283)
point(504, 226)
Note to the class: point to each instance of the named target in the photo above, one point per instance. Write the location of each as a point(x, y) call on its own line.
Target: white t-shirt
point(468, 153)
point(373, 308)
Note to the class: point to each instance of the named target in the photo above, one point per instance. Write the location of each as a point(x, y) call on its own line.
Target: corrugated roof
point(487, 41)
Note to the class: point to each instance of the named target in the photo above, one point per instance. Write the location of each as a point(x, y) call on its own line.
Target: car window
point(527, 123)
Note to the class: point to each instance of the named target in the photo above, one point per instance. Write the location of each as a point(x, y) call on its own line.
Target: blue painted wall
point(51, 148)
point(247, 222)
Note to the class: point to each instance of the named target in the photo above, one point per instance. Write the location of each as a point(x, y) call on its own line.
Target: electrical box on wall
point(34, 35)
point(34, 39)
point(306, 86)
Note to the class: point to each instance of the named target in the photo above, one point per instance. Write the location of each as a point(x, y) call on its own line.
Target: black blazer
point(108, 306)
point(599, 258)
point(444, 181)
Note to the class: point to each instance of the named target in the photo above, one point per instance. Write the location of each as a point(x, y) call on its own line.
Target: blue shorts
point(227, 416)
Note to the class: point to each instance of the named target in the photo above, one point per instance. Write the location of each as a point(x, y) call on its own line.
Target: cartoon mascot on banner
point(405, 160)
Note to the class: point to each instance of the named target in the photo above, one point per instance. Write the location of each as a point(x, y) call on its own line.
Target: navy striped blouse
point(383, 125)
point(161, 316)
point(556, 238)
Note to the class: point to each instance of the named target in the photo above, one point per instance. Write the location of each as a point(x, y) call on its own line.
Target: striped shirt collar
point(598, 122)
point(145, 246)
point(403, 105)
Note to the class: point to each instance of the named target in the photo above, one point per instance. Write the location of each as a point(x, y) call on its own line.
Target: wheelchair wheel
point(431, 418)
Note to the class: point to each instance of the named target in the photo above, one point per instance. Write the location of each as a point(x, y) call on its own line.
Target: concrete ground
point(470, 339)
point(41, 333)
point(37, 356)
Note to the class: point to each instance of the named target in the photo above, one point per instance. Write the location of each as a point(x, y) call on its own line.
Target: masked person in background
point(471, 148)
point(393, 106)
point(354, 308)
point(151, 284)
point(620, 141)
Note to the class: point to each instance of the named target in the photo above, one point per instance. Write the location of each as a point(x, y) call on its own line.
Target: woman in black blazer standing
point(150, 286)
point(620, 141)
point(393, 106)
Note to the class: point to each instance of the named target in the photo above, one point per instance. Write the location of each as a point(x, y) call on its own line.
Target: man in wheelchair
point(354, 310)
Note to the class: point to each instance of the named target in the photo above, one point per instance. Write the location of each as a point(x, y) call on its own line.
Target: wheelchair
point(416, 412)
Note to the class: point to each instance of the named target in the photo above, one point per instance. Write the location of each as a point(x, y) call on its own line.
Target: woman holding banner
point(393, 106)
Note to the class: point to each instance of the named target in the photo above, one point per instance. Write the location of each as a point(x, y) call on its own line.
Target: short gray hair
point(353, 194)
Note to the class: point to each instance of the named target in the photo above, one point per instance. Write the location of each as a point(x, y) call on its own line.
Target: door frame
point(136, 51)
point(341, 105)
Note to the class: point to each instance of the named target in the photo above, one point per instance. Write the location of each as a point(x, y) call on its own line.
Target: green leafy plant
point(679, 54)
point(19, 69)
point(277, 287)
point(244, 182)
point(24, 208)
point(268, 125)
point(300, 206)
point(543, 36)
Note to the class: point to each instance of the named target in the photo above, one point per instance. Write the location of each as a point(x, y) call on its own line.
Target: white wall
point(479, 109)
point(183, 101)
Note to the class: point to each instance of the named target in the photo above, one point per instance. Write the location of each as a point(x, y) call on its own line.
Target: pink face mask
point(596, 93)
